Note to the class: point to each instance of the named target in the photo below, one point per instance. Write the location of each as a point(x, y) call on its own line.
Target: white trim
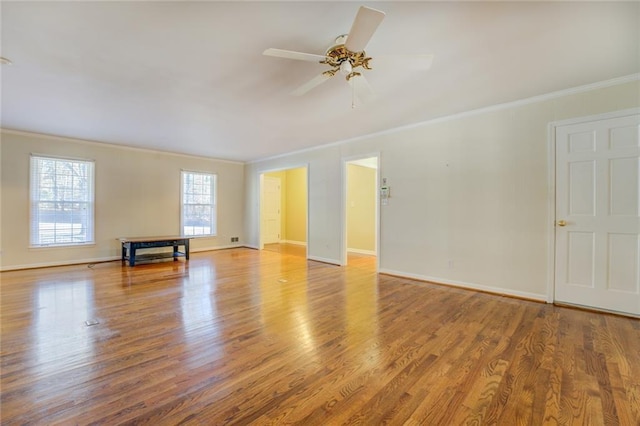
point(260, 210)
point(283, 168)
point(60, 263)
point(214, 191)
point(62, 246)
point(483, 110)
point(213, 248)
point(35, 189)
point(102, 259)
point(360, 251)
point(551, 212)
point(539, 98)
point(551, 181)
point(596, 117)
point(62, 157)
point(297, 243)
point(471, 286)
point(324, 260)
point(593, 308)
point(343, 215)
point(261, 174)
point(308, 218)
point(113, 145)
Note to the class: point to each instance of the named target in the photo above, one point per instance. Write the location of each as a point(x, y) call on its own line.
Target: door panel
point(598, 214)
point(272, 219)
point(580, 259)
point(624, 194)
point(581, 188)
point(623, 262)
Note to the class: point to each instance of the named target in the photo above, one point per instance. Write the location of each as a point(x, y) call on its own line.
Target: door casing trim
point(551, 189)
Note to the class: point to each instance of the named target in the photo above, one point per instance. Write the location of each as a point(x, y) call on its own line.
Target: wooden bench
point(131, 245)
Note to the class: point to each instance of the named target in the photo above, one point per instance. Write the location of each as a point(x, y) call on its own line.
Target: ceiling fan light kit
point(347, 55)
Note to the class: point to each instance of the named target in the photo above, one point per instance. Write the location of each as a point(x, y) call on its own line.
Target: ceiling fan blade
point(404, 62)
point(361, 89)
point(363, 27)
point(289, 54)
point(314, 82)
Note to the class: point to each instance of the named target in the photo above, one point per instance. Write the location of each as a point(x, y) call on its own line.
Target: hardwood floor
point(244, 336)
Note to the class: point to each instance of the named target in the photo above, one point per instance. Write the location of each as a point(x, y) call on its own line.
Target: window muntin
point(198, 215)
point(62, 201)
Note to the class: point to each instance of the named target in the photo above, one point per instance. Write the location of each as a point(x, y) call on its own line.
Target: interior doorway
point(361, 208)
point(284, 211)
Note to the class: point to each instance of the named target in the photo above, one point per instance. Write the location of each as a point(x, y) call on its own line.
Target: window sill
point(62, 246)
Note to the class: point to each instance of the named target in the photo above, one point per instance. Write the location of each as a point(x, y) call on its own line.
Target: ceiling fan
point(347, 57)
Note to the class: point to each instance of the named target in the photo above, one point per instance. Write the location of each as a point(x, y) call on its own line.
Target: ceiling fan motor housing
point(338, 54)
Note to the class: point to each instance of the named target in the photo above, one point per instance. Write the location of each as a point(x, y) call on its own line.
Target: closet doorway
point(284, 211)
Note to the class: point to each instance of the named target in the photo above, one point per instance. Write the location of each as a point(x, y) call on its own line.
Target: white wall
point(323, 231)
point(470, 194)
point(137, 194)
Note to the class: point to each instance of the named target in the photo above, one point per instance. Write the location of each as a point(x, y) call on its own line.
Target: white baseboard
point(360, 251)
point(297, 243)
point(98, 259)
point(471, 286)
point(59, 263)
point(200, 249)
point(324, 260)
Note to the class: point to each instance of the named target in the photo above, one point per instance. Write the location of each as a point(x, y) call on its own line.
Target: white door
point(597, 214)
point(271, 212)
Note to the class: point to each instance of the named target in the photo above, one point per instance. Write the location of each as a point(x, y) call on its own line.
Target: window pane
point(198, 204)
point(61, 201)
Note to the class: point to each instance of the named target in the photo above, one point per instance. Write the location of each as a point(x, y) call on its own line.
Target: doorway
point(284, 211)
point(597, 213)
point(360, 215)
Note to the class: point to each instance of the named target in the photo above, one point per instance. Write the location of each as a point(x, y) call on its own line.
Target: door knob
point(562, 223)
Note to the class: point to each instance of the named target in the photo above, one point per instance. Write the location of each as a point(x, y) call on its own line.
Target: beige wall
point(137, 193)
point(361, 208)
point(296, 205)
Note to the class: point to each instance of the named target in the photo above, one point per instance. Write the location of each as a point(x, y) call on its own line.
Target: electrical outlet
point(235, 239)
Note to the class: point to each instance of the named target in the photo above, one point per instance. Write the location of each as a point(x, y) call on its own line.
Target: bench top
point(150, 239)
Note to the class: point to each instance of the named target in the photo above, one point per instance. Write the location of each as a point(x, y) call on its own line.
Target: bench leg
point(132, 255)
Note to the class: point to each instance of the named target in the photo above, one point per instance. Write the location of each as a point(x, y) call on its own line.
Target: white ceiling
point(190, 77)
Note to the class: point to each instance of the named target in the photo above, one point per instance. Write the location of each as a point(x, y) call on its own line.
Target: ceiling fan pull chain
point(353, 96)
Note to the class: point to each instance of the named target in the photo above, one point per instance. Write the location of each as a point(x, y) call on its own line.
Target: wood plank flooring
point(262, 337)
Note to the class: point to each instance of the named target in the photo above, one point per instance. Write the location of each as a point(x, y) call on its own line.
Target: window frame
point(213, 205)
point(36, 199)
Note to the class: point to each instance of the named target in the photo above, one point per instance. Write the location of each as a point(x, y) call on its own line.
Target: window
point(198, 204)
point(62, 201)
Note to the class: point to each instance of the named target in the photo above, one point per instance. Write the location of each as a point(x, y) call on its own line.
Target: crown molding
point(492, 108)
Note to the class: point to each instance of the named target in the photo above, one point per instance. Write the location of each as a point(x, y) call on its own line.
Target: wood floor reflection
point(262, 337)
